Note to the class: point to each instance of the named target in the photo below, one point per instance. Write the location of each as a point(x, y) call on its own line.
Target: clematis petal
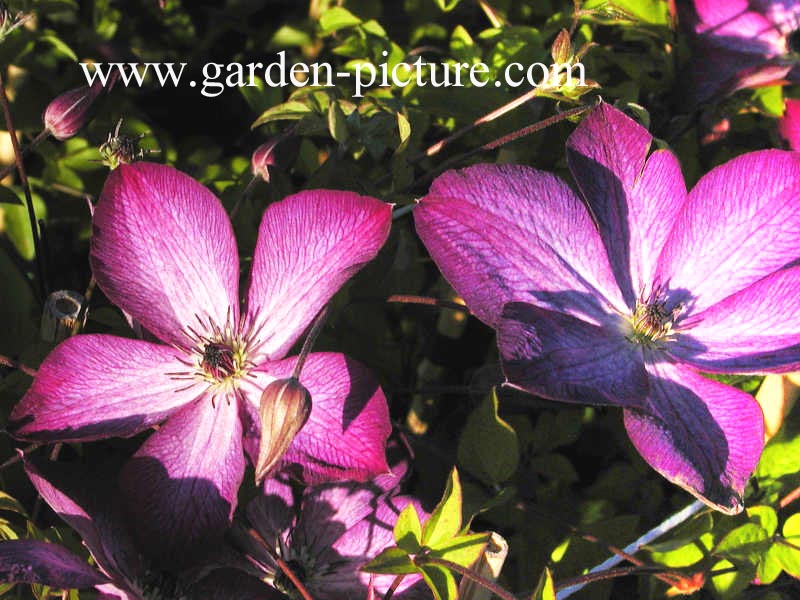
point(562, 358)
point(740, 223)
point(756, 330)
point(734, 24)
point(362, 541)
point(789, 124)
point(34, 561)
point(503, 233)
point(702, 435)
point(634, 202)
point(163, 251)
point(98, 386)
point(182, 484)
point(309, 245)
point(83, 499)
point(346, 432)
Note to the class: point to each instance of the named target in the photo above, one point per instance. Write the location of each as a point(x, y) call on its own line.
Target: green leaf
point(447, 5)
point(8, 196)
point(392, 561)
point(787, 548)
point(545, 589)
point(337, 18)
point(441, 581)
point(408, 530)
point(770, 100)
point(337, 123)
point(764, 516)
point(745, 543)
point(11, 504)
point(463, 550)
point(288, 111)
point(445, 520)
point(770, 566)
point(732, 581)
point(488, 447)
point(18, 228)
point(403, 127)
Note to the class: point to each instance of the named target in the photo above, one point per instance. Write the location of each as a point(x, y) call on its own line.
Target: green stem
point(464, 572)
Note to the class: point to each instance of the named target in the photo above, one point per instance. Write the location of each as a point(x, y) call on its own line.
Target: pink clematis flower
point(327, 536)
point(626, 302)
point(121, 571)
point(741, 43)
point(163, 250)
point(789, 124)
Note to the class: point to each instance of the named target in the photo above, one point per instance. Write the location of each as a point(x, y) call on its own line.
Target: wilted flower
point(69, 112)
point(121, 570)
point(741, 43)
point(789, 124)
point(326, 537)
point(624, 303)
point(163, 250)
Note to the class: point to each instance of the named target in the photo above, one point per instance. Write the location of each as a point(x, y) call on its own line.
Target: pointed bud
point(561, 50)
point(69, 112)
point(264, 157)
point(285, 406)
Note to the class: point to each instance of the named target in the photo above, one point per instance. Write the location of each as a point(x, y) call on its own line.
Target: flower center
point(218, 360)
point(652, 320)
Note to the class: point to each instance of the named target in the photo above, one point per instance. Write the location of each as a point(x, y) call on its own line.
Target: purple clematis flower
point(163, 250)
point(327, 536)
point(121, 571)
point(741, 43)
point(624, 303)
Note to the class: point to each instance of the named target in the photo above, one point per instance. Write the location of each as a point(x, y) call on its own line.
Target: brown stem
point(25, 151)
point(23, 178)
point(312, 336)
point(599, 576)
point(426, 301)
point(393, 588)
point(18, 457)
point(790, 497)
point(7, 362)
point(464, 572)
point(294, 579)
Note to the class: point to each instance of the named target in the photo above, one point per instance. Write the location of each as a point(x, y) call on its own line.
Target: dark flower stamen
point(218, 361)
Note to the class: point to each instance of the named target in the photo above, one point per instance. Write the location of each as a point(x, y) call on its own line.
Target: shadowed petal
point(163, 250)
point(33, 561)
point(90, 506)
point(231, 584)
point(308, 246)
point(365, 537)
point(98, 386)
point(756, 330)
point(346, 432)
point(501, 233)
point(562, 358)
point(702, 435)
point(634, 203)
point(740, 223)
point(182, 484)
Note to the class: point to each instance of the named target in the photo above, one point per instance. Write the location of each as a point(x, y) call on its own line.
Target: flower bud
point(70, 111)
point(285, 406)
point(264, 157)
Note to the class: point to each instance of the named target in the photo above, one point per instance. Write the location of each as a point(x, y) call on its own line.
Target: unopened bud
point(69, 112)
point(561, 50)
point(285, 406)
point(264, 157)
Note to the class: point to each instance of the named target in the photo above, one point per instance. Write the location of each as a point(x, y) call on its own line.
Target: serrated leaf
point(392, 561)
point(288, 111)
point(408, 530)
point(745, 543)
point(545, 589)
point(463, 550)
point(441, 581)
point(337, 18)
point(488, 447)
point(445, 520)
